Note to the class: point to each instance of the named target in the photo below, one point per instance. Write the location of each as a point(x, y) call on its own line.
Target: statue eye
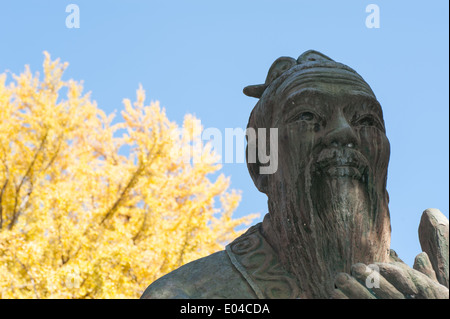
point(368, 120)
point(306, 116)
point(303, 116)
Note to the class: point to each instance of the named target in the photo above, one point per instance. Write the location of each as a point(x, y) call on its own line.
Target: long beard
point(328, 223)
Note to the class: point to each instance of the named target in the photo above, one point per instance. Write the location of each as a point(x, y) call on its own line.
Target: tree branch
point(33, 283)
point(129, 185)
point(17, 212)
point(1, 204)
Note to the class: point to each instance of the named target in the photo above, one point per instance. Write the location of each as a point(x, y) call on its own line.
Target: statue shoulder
point(213, 276)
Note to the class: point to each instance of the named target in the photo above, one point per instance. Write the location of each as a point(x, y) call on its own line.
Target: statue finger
point(411, 282)
point(427, 287)
point(398, 277)
point(370, 277)
point(434, 240)
point(351, 288)
point(423, 264)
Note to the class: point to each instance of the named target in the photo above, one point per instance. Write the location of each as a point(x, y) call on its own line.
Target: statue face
point(328, 203)
point(333, 130)
point(328, 200)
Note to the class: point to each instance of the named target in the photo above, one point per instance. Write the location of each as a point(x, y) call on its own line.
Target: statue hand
point(394, 280)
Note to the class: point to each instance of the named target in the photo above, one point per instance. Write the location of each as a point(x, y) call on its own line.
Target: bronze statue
point(328, 214)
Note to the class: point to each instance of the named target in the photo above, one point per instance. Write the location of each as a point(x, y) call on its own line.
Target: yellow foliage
point(80, 217)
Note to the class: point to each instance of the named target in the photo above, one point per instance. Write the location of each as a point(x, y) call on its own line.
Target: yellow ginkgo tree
point(92, 209)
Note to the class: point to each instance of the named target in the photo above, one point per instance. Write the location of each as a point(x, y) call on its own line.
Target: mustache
point(341, 157)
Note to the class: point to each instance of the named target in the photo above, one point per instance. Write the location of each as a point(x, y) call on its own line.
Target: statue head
point(328, 203)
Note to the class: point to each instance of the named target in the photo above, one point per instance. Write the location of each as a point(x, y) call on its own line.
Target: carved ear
point(278, 67)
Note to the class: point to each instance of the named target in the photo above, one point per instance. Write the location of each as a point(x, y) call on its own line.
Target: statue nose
point(340, 133)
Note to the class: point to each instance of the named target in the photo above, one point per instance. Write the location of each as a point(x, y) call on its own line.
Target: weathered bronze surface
point(328, 204)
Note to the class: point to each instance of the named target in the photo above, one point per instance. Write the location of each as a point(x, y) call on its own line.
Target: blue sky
point(196, 57)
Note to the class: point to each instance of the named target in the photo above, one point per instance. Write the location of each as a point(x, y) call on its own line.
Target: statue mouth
point(342, 164)
point(344, 171)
